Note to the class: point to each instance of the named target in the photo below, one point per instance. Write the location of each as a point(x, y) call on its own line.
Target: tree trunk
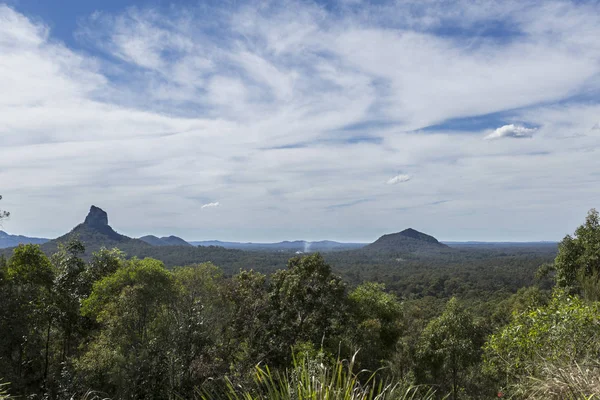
point(47, 356)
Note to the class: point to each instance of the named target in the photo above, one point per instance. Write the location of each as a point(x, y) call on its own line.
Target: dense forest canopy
point(131, 328)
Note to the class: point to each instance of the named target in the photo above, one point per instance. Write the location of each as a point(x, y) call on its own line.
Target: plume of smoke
point(307, 246)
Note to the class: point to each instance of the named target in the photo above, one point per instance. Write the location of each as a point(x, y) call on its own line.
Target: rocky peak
point(97, 217)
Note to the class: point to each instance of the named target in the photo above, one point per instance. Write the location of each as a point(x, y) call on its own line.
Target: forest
point(344, 325)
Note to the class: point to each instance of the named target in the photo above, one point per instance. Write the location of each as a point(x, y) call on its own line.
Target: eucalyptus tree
point(307, 304)
point(450, 344)
point(577, 265)
point(128, 356)
point(26, 317)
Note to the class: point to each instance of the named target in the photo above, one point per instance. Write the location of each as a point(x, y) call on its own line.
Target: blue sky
point(274, 120)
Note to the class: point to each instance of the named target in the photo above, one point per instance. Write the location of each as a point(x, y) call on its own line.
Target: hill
point(164, 241)
point(8, 240)
point(405, 242)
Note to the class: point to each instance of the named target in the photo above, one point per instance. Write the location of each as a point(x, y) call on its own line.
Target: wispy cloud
point(209, 205)
point(511, 131)
point(285, 108)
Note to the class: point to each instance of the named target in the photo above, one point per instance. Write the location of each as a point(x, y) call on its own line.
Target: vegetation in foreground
point(119, 328)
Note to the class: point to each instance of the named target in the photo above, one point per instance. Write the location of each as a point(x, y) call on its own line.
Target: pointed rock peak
point(97, 217)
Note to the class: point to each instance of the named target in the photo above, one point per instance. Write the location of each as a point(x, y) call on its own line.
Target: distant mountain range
point(96, 233)
point(7, 240)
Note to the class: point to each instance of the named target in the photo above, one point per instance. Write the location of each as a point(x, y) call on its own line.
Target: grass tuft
point(310, 379)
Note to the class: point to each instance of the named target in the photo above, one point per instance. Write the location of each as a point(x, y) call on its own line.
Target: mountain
point(407, 241)
point(7, 240)
point(95, 233)
point(296, 245)
point(164, 241)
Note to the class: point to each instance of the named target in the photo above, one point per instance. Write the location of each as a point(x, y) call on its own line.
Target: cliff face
point(96, 218)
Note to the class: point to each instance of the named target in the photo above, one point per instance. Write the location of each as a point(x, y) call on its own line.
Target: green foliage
point(378, 319)
point(26, 312)
point(579, 256)
point(567, 330)
point(248, 302)
point(80, 323)
point(311, 379)
point(129, 354)
point(450, 344)
point(104, 262)
point(199, 320)
point(4, 395)
point(524, 300)
point(307, 303)
point(30, 266)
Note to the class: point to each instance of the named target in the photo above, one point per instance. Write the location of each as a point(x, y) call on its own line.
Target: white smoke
point(307, 246)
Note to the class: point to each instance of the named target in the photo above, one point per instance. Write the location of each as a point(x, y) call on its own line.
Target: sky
point(281, 120)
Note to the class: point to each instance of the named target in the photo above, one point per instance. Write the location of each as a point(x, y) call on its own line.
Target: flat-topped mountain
point(407, 241)
point(8, 240)
point(164, 241)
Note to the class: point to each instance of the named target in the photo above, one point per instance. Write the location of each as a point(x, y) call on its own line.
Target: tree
point(449, 345)
point(3, 214)
point(578, 256)
point(129, 355)
point(199, 319)
point(307, 304)
point(69, 289)
point(377, 316)
point(248, 303)
point(26, 315)
point(103, 263)
point(565, 331)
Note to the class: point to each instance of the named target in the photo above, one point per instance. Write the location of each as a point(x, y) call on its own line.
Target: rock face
point(97, 221)
point(96, 218)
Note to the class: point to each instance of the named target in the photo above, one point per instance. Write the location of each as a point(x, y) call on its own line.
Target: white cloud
point(208, 205)
point(511, 131)
point(398, 179)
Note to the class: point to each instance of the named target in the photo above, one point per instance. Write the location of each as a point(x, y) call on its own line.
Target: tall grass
point(313, 380)
point(4, 395)
point(574, 381)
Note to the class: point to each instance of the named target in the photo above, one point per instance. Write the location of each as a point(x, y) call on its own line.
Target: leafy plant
point(311, 379)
